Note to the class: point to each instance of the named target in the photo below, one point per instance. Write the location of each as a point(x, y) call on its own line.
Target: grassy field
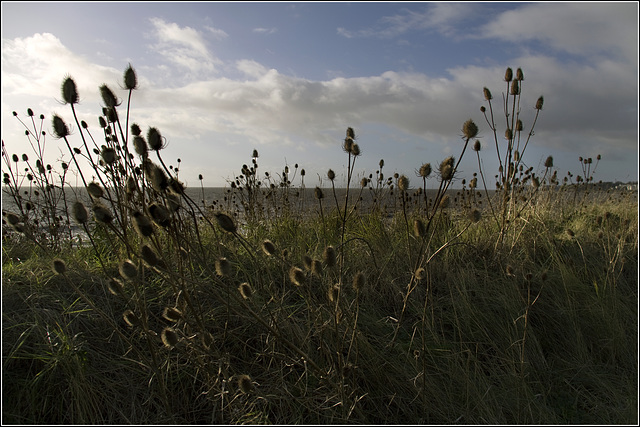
point(419, 308)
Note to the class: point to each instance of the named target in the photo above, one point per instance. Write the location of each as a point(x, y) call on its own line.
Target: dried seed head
point(102, 214)
point(130, 78)
point(223, 267)
point(508, 134)
point(70, 91)
point(347, 146)
point(403, 183)
point(297, 276)
point(155, 139)
point(268, 247)
point(130, 318)
point(142, 224)
point(420, 273)
point(172, 314)
point(140, 146)
point(329, 256)
point(476, 145)
point(331, 175)
point(160, 215)
point(519, 74)
point(116, 287)
point(318, 193)
point(12, 218)
point(169, 337)
point(418, 228)
point(475, 215)
point(515, 89)
point(350, 133)
point(157, 177)
point(539, 103)
point(110, 100)
point(444, 202)
point(255, 154)
point(487, 94)
point(94, 189)
point(469, 129)
point(549, 162)
point(425, 170)
point(149, 256)
point(508, 75)
point(225, 222)
point(108, 154)
point(333, 292)
point(60, 129)
point(128, 269)
point(135, 129)
point(359, 281)
point(245, 384)
point(446, 172)
point(363, 182)
point(355, 150)
point(306, 260)
point(59, 266)
point(316, 267)
point(245, 290)
point(519, 126)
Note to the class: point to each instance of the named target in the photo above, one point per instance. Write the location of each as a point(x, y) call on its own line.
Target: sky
point(220, 79)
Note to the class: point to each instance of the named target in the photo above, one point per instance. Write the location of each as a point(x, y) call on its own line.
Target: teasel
point(108, 154)
point(149, 256)
point(70, 91)
point(135, 129)
point(329, 256)
point(420, 273)
point(79, 212)
point(102, 214)
point(444, 202)
point(60, 129)
point(487, 94)
point(318, 193)
point(94, 190)
point(169, 337)
point(297, 276)
point(172, 314)
point(549, 162)
point(476, 145)
point(110, 100)
point(223, 267)
point(59, 266)
point(316, 267)
point(475, 215)
point(306, 261)
point(403, 183)
point(225, 222)
point(425, 170)
point(154, 139)
point(469, 129)
point(347, 146)
point(363, 182)
point(130, 318)
point(508, 74)
point(419, 229)
point(245, 384)
point(333, 292)
point(130, 78)
point(140, 146)
point(508, 134)
point(160, 215)
point(128, 269)
point(539, 103)
point(116, 287)
point(245, 290)
point(157, 176)
point(268, 247)
point(254, 154)
point(331, 175)
point(12, 218)
point(519, 126)
point(359, 281)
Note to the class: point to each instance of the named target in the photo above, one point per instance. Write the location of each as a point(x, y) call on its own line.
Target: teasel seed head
point(333, 292)
point(419, 229)
point(297, 276)
point(172, 314)
point(116, 287)
point(130, 78)
point(223, 267)
point(475, 215)
point(509, 271)
point(102, 214)
point(110, 100)
point(60, 129)
point(318, 193)
point(469, 129)
point(149, 256)
point(79, 212)
point(519, 74)
point(245, 384)
point(425, 170)
point(128, 269)
point(154, 138)
point(169, 337)
point(140, 146)
point(359, 281)
point(12, 218)
point(519, 126)
point(329, 256)
point(157, 176)
point(316, 267)
point(446, 172)
point(539, 103)
point(225, 222)
point(94, 189)
point(306, 261)
point(160, 215)
point(331, 175)
point(363, 182)
point(350, 133)
point(245, 290)
point(70, 91)
point(403, 183)
point(108, 154)
point(59, 266)
point(508, 75)
point(549, 162)
point(515, 88)
point(130, 318)
point(268, 247)
point(444, 202)
point(355, 150)
point(135, 130)
point(347, 146)
point(420, 273)
point(508, 134)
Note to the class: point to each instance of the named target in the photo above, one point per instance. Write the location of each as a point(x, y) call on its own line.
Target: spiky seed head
point(446, 172)
point(306, 261)
point(130, 78)
point(59, 266)
point(268, 247)
point(128, 269)
point(108, 154)
point(111, 114)
point(347, 146)
point(487, 94)
point(297, 276)
point(140, 146)
point(149, 256)
point(329, 256)
point(403, 183)
point(420, 273)
point(245, 290)
point(142, 224)
point(363, 182)
point(549, 162)
point(508, 134)
point(160, 215)
point(316, 267)
point(157, 177)
point(475, 215)
point(102, 214)
point(318, 193)
point(476, 145)
point(60, 129)
point(444, 202)
point(539, 103)
point(116, 287)
point(519, 126)
point(135, 129)
point(12, 218)
point(508, 75)
point(359, 281)
point(255, 154)
point(154, 138)
point(519, 74)
point(355, 150)
point(333, 292)
point(331, 175)
point(535, 181)
point(225, 222)
point(108, 97)
point(425, 170)
point(350, 133)
point(245, 384)
point(169, 337)
point(418, 228)
point(102, 122)
point(79, 212)
point(509, 271)
point(469, 129)
point(130, 318)
point(70, 91)
point(223, 267)
point(172, 314)
point(94, 189)
point(483, 109)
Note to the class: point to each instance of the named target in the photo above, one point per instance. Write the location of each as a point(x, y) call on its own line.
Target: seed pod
point(245, 290)
point(331, 175)
point(155, 139)
point(359, 281)
point(108, 97)
point(225, 222)
point(172, 314)
point(223, 267)
point(130, 78)
point(487, 94)
point(128, 269)
point(318, 193)
point(403, 183)
point(94, 189)
point(108, 154)
point(515, 88)
point(69, 91)
point(469, 129)
point(508, 134)
point(169, 337)
point(60, 129)
point(160, 215)
point(539, 103)
point(476, 145)
point(268, 247)
point(420, 273)
point(519, 74)
point(142, 224)
point(135, 129)
point(508, 75)
point(102, 214)
point(549, 162)
point(350, 133)
point(333, 292)
point(245, 384)
point(59, 266)
point(140, 146)
point(329, 256)
point(297, 276)
point(12, 218)
point(418, 228)
point(316, 267)
point(79, 212)
point(425, 170)
point(149, 256)
point(131, 318)
point(116, 287)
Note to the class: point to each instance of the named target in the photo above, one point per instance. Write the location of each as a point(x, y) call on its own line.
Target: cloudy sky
point(221, 79)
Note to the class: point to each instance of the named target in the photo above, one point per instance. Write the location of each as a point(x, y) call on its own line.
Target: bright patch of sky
point(221, 79)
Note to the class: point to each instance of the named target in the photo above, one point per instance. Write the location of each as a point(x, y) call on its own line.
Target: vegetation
point(131, 302)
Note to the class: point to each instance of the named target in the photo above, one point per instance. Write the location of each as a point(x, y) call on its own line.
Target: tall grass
point(463, 307)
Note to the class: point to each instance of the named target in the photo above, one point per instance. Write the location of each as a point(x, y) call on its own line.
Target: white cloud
point(265, 30)
point(217, 33)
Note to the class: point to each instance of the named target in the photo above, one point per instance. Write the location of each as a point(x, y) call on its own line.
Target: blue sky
point(221, 79)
